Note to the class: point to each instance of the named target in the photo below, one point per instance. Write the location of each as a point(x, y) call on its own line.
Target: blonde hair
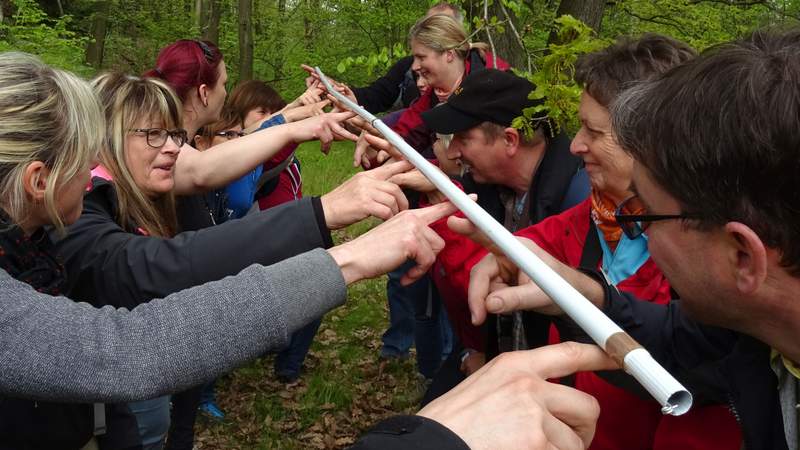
point(441, 33)
point(126, 100)
point(46, 115)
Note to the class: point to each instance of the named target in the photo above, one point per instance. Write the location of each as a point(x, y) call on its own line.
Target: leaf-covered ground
point(344, 388)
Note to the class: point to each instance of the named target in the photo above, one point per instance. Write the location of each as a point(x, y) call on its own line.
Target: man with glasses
point(715, 146)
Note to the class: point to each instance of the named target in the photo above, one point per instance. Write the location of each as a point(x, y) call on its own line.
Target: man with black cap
point(535, 176)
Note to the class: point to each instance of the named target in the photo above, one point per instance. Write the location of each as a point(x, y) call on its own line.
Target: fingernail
point(494, 303)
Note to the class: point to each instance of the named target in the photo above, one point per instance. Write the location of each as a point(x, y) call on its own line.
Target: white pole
point(673, 397)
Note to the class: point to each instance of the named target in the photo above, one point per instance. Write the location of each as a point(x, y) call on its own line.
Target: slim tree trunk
point(245, 40)
point(96, 47)
point(280, 47)
point(211, 29)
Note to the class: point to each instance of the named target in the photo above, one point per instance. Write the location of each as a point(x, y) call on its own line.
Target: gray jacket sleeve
point(52, 348)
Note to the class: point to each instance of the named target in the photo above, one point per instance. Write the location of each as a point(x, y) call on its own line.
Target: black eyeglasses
point(633, 225)
point(157, 137)
point(230, 134)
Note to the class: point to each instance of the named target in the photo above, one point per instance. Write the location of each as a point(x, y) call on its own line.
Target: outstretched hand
point(326, 127)
point(509, 404)
point(384, 248)
point(496, 285)
point(366, 194)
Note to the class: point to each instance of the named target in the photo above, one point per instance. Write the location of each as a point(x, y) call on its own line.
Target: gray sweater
point(52, 348)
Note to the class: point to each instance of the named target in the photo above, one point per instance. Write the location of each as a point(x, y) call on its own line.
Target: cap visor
point(445, 119)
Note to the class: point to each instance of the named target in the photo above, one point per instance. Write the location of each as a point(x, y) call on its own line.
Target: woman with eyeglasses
point(590, 236)
point(129, 246)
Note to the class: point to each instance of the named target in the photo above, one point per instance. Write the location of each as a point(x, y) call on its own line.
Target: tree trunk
point(245, 40)
point(280, 47)
point(197, 13)
point(308, 24)
point(506, 43)
point(96, 47)
point(211, 29)
point(589, 12)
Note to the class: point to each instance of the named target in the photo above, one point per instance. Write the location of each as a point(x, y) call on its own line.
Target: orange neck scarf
point(603, 209)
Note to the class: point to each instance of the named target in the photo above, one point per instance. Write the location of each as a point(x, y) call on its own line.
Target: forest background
point(356, 40)
point(344, 388)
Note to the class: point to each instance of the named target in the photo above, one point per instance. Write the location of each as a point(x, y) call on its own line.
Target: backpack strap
point(592, 251)
point(273, 173)
point(99, 419)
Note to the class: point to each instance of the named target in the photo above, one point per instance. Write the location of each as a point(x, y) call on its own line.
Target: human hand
point(387, 246)
point(414, 180)
point(368, 156)
point(312, 75)
point(509, 404)
point(380, 145)
point(497, 286)
point(366, 194)
point(325, 127)
point(305, 111)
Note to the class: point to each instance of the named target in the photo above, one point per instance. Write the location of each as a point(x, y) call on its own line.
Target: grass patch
point(343, 390)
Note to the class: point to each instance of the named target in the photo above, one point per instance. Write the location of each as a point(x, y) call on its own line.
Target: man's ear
point(511, 140)
point(34, 180)
point(747, 256)
point(450, 56)
point(202, 92)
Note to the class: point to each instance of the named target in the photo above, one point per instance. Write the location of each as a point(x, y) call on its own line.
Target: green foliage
point(553, 79)
point(698, 23)
point(31, 30)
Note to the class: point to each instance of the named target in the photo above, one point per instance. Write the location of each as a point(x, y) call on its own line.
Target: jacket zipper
point(735, 412)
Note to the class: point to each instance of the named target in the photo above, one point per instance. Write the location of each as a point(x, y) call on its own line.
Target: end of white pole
point(673, 397)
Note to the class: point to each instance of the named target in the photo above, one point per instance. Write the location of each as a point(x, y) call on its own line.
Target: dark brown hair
point(250, 95)
point(606, 73)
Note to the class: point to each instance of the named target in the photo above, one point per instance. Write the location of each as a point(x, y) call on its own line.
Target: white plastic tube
point(673, 397)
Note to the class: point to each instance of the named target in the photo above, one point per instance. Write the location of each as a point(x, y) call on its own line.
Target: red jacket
point(626, 421)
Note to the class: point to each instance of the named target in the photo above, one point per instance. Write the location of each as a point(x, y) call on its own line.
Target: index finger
point(386, 171)
point(311, 71)
point(433, 213)
point(566, 358)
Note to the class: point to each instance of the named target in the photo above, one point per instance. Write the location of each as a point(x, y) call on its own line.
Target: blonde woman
point(126, 247)
point(54, 349)
point(443, 56)
point(43, 173)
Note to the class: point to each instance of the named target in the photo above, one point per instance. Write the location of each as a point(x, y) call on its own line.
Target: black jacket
point(109, 266)
point(407, 432)
point(717, 365)
point(383, 93)
point(549, 187)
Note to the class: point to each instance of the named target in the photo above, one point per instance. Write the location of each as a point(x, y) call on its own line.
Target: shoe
point(211, 410)
point(287, 376)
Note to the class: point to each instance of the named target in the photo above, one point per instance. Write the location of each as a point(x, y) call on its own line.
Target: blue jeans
point(416, 315)
point(290, 359)
point(152, 417)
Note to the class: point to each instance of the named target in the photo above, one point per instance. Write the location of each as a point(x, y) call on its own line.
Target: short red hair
point(186, 64)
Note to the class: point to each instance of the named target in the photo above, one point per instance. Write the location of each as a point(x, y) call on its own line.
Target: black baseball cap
point(487, 95)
